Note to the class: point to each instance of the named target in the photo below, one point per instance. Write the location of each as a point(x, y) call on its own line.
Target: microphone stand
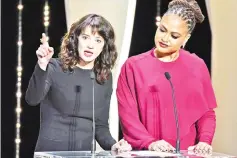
point(167, 75)
point(92, 76)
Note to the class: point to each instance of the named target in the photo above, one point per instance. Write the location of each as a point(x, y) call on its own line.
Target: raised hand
point(44, 53)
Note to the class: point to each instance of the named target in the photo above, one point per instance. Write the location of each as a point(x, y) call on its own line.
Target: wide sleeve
point(39, 84)
point(102, 133)
point(206, 125)
point(133, 129)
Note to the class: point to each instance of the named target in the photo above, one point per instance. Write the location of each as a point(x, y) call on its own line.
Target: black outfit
point(66, 108)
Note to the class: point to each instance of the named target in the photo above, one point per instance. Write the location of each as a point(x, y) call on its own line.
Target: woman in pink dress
point(146, 103)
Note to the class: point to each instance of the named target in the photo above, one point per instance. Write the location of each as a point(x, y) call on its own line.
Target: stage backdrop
point(223, 22)
point(120, 13)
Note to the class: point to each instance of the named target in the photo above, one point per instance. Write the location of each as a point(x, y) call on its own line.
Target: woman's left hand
point(121, 146)
point(201, 147)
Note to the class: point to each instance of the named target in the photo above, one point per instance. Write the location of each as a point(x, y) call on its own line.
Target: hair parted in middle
point(69, 55)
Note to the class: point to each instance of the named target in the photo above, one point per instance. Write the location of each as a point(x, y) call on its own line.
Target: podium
point(138, 154)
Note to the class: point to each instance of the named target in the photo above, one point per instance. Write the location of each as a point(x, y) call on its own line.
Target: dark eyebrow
point(163, 27)
point(176, 33)
point(98, 37)
point(84, 34)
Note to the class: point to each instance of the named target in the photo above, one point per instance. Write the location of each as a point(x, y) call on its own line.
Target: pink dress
point(145, 103)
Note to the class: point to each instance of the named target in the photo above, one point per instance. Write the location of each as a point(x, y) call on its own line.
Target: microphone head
point(167, 75)
point(77, 88)
point(92, 75)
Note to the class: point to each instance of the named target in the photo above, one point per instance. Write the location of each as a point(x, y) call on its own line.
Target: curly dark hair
point(69, 55)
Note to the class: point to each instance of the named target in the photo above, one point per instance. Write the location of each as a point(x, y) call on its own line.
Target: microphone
point(78, 88)
point(168, 77)
point(92, 76)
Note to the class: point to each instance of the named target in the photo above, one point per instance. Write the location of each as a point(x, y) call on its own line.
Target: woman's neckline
point(167, 62)
point(82, 69)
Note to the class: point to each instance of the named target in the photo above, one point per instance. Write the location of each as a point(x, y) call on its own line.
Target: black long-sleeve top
point(66, 103)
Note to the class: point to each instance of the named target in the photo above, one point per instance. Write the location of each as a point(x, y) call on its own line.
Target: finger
point(165, 147)
point(200, 148)
point(51, 52)
point(191, 148)
point(44, 40)
point(125, 143)
point(43, 51)
point(197, 147)
point(120, 148)
point(170, 147)
point(128, 147)
point(125, 148)
point(50, 49)
point(47, 50)
point(208, 149)
point(39, 54)
point(115, 146)
point(156, 148)
point(162, 148)
point(121, 142)
point(150, 147)
point(44, 47)
point(204, 148)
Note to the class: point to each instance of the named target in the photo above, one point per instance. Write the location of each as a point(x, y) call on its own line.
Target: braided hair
point(188, 10)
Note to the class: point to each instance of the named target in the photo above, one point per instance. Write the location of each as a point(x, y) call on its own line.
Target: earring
point(183, 45)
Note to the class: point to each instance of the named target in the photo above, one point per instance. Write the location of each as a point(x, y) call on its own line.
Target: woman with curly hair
point(65, 88)
point(145, 97)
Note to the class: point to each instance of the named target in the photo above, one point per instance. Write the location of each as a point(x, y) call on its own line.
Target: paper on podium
point(148, 153)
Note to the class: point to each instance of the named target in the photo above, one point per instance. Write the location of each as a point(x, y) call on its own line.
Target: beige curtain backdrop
point(120, 13)
point(223, 18)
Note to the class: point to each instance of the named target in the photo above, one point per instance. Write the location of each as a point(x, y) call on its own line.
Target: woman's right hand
point(161, 146)
point(44, 53)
